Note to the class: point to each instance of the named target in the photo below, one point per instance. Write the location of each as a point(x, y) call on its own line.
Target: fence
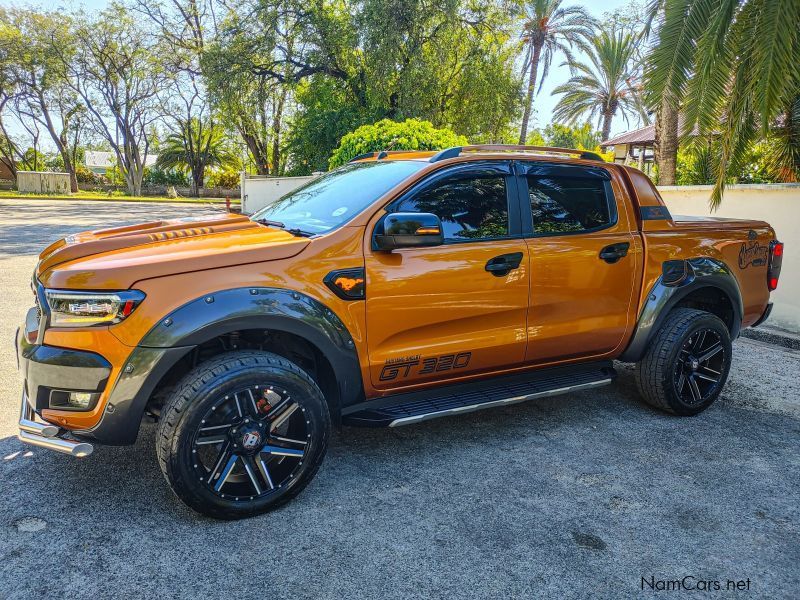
point(37, 182)
point(777, 204)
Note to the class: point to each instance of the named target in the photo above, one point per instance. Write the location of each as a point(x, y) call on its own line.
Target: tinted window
point(568, 204)
point(338, 196)
point(471, 207)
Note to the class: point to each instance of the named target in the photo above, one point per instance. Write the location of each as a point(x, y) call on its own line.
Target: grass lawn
point(113, 197)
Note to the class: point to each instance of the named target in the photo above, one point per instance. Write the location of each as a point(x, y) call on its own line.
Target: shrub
point(156, 176)
point(411, 134)
point(223, 179)
point(84, 175)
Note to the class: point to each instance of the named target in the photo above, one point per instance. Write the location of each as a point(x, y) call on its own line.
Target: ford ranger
point(400, 287)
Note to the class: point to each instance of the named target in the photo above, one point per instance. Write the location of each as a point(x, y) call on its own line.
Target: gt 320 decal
point(403, 367)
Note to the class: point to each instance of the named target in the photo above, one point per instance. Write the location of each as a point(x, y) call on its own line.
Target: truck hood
point(117, 258)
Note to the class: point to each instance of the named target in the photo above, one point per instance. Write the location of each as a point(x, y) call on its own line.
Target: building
point(637, 147)
point(99, 162)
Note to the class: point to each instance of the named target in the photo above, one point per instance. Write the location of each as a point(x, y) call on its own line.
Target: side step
point(404, 409)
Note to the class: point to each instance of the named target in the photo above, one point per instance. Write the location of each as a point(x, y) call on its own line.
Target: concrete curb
point(773, 335)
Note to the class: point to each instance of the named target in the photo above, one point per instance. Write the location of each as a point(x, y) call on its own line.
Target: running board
point(404, 409)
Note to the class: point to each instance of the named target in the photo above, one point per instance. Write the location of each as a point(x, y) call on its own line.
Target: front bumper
point(45, 435)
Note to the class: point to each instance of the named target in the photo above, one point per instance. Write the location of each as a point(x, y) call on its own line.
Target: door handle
point(504, 264)
point(614, 252)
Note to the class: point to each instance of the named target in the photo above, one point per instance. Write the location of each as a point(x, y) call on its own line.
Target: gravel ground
point(574, 497)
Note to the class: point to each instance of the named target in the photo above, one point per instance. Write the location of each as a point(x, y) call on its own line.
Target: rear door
point(583, 261)
point(438, 313)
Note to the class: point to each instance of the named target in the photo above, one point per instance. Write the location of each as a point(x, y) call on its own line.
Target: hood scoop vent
point(180, 233)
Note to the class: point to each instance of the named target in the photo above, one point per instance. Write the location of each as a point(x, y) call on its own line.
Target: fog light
point(80, 400)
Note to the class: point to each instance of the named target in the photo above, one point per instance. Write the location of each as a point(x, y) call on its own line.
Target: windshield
point(336, 197)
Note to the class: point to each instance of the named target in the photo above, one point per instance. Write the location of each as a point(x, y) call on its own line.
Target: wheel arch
point(294, 320)
point(703, 283)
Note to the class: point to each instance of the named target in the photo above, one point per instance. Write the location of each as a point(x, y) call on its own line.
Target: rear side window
point(568, 204)
point(471, 207)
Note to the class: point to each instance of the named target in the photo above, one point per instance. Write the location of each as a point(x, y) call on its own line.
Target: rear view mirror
point(408, 230)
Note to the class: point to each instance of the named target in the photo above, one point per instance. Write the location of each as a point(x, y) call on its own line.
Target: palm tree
point(734, 65)
point(196, 146)
point(547, 28)
point(606, 85)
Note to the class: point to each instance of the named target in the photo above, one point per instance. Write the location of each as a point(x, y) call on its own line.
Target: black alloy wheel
point(699, 366)
point(242, 434)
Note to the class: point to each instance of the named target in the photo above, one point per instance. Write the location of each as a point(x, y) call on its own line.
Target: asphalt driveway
point(586, 495)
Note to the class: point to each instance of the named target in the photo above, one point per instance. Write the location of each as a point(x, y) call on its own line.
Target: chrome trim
point(45, 435)
point(504, 402)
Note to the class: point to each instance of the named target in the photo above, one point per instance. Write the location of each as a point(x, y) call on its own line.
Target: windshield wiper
point(280, 225)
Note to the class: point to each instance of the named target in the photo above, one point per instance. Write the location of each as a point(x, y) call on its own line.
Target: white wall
point(259, 191)
point(778, 205)
point(36, 182)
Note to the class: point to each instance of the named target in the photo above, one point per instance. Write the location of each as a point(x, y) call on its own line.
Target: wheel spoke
point(701, 338)
point(281, 418)
point(288, 440)
point(280, 451)
point(710, 370)
point(226, 472)
point(696, 395)
point(252, 404)
point(681, 382)
point(262, 466)
point(238, 405)
point(713, 351)
point(250, 467)
point(210, 439)
point(706, 377)
point(223, 457)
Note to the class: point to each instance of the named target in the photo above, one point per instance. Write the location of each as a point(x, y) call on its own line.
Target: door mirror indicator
point(408, 230)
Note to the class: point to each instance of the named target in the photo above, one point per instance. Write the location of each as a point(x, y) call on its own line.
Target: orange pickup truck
point(400, 287)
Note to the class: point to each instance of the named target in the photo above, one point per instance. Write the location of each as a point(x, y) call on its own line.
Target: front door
point(584, 261)
point(438, 313)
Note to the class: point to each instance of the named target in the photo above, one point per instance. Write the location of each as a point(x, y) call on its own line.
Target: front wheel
point(687, 363)
point(242, 434)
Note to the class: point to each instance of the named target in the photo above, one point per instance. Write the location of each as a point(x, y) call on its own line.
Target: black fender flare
point(666, 293)
point(205, 318)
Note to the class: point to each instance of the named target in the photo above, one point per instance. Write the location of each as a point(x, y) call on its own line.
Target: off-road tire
point(194, 396)
point(658, 373)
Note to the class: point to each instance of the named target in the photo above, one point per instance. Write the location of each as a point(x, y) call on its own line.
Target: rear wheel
point(242, 434)
point(687, 363)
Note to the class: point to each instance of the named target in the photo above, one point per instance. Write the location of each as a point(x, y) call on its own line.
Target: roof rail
point(457, 150)
point(381, 154)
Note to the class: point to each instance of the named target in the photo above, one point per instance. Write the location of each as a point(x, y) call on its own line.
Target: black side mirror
point(409, 230)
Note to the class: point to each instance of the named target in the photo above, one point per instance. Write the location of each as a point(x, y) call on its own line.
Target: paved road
point(574, 497)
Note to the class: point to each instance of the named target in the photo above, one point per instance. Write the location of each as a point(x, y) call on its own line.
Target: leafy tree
point(35, 43)
point(604, 86)
point(196, 148)
point(737, 63)
point(548, 28)
point(117, 72)
point(563, 136)
point(412, 134)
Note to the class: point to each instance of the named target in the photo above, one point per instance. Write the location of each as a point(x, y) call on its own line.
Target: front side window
point(471, 207)
point(336, 197)
point(568, 204)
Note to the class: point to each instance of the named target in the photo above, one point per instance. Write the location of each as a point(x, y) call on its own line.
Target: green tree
point(198, 146)
point(734, 65)
point(548, 28)
point(604, 86)
point(36, 44)
point(412, 134)
point(563, 136)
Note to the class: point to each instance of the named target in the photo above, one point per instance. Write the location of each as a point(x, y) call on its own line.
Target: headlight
point(83, 309)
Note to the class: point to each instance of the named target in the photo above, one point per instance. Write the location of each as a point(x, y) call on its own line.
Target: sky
point(544, 102)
